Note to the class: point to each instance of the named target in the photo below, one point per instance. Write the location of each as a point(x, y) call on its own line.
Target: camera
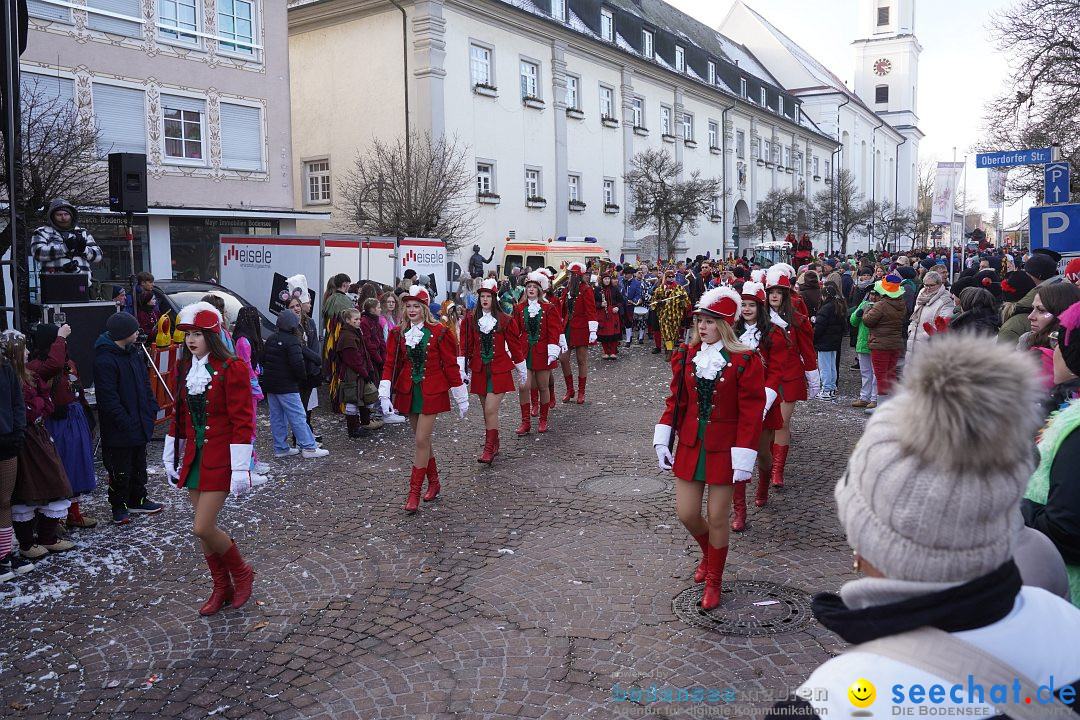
point(142, 338)
point(60, 318)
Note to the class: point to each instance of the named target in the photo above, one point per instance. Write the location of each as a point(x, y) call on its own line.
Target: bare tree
point(665, 202)
point(842, 209)
point(777, 213)
point(889, 222)
point(921, 228)
point(425, 189)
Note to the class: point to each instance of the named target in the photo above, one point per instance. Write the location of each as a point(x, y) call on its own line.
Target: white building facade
point(553, 99)
point(201, 88)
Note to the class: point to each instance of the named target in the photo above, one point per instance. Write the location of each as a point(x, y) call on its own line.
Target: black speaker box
point(127, 182)
point(87, 321)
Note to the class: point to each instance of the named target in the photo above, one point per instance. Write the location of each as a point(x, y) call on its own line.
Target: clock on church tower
point(882, 67)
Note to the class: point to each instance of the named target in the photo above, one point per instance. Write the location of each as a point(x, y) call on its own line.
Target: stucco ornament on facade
point(213, 114)
point(153, 125)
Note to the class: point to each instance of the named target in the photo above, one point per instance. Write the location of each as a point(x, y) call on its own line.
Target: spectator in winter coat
point(1017, 295)
point(933, 302)
point(810, 291)
point(283, 374)
point(60, 245)
point(868, 387)
point(977, 312)
point(830, 326)
point(922, 575)
point(885, 318)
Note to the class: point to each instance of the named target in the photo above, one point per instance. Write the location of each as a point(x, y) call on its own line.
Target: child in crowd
point(355, 372)
point(247, 334)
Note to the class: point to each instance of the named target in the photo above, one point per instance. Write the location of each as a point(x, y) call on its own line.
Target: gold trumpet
point(560, 279)
point(604, 267)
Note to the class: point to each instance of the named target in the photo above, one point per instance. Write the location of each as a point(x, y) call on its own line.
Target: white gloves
point(770, 398)
point(813, 383)
point(592, 338)
point(461, 365)
point(169, 459)
point(461, 399)
point(241, 464)
point(594, 325)
point(384, 397)
point(742, 463)
point(553, 353)
point(562, 343)
point(523, 372)
point(741, 476)
point(661, 437)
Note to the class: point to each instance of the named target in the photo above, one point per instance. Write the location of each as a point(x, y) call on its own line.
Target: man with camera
point(61, 245)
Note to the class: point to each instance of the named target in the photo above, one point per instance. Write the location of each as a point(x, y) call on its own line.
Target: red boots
point(433, 486)
point(581, 389)
point(738, 503)
point(714, 575)
point(762, 495)
point(416, 483)
point(542, 427)
point(223, 587)
point(491, 446)
point(779, 458)
point(702, 568)
point(526, 422)
point(534, 396)
point(569, 388)
point(242, 576)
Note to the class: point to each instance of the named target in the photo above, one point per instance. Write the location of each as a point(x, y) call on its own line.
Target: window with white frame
point(182, 127)
point(236, 26)
point(742, 87)
point(177, 16)
point(480, 65)
point(764, 97)
point(776, 152)
point(714, 134)
point(766, 153)
point(241, 137)
point(607, 25)
point(637, 106)
point(740, 144)
point(680, 58)
point(317, 182)
point(573, 99)
point(787, 156)
point(687, 126)
point(530, 79)
point(47, 11)
point(780, 105)
point(124, 18)
point(647, 43)
point(609, 191)
point(532, 183)
point(714, 206)
point(798, 113)
point(814, 162)
point(712, 72)
point(828, 168)
point(485, 178)
point(120, 119)
point(558, 10)
point(573, 187)
point(607, 102)
point(665, 120)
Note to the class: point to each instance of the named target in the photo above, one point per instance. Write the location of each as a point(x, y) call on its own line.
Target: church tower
point(887, 78)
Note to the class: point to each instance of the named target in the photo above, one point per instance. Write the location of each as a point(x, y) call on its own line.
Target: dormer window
point(607, 25)
point(712, 72)
point(647, 43)
point(558, 10)
point(680, 59)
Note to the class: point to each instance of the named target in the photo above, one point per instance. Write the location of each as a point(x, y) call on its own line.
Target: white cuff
point(554, 350)
point(594, 325)
point(743, 459)
point(661, 435)
point(770, 398)
point(562, 344)
point(522, 369)
point(384, 389)
point(241, 457)
point(461, 365)
point(168, 454)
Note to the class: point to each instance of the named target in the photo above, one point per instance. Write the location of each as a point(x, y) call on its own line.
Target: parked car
point(175, 294)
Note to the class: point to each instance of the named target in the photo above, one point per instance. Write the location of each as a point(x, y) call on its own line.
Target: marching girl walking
point(578, 311)
point(208, 447)
point(420, 374)
point(490, 347)
point(539, 323)
point(800, 376)
point(716, 404)
point(609, 325)
point(761, 329)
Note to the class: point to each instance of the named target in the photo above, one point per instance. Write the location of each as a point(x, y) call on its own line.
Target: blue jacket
point(126, 407)
point(632, 290)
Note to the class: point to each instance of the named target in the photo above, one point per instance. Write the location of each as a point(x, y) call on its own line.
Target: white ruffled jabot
point(751, 337)
point(414, 335)
point(198, 376)
point(533, 308)
point(709, 361)
point(487, 323)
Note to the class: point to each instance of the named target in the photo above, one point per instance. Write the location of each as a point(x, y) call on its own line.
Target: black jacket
point(829, 328)
point(1059, 518)
point(12, 413)
point(984, 321)
point(126, 406)
point(283, 364)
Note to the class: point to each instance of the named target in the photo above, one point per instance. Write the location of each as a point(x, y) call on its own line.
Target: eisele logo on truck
point(424, 257)
point(248, 257)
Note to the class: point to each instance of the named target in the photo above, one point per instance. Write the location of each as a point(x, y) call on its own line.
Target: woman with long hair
point(540, 327)
point(610, 302)
point(716, 403)
point(578, 311)
point(247, 334)
point(489, 348)
point(391, 313)
point(762, 329)
point(208, 447)
point(800, 375)
point(420, 374)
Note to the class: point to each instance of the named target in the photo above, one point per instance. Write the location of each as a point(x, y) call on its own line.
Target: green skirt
point(417, 406)
point(699, 471)
point(192, 482)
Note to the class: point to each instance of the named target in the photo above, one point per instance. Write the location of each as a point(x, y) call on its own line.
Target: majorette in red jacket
point(440, 370)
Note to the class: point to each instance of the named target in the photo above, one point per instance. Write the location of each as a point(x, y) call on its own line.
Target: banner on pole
point(995, 186)
point(945, 182)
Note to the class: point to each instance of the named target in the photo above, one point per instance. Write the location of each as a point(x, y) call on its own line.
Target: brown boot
point(714, 578)
point(738, 504)
point(526, 421)
point(223, 587)
point(416, 484)
point(433, 486)
point(75, 517)
point(242, 575)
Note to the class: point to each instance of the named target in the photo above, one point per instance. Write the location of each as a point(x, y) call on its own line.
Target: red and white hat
point(721, 302)
point(539, 278)
point(489, 286)
point(754, 291)
point(757, 276)
point(577, 268)
point(786, 269)
point(199, 316)
point(419, 293)
point(776, 277)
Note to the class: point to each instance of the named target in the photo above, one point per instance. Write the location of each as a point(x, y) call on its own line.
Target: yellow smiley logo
point(862, 693)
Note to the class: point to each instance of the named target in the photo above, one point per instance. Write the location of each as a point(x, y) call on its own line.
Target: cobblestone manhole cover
point(747, 608)
point(624, 485)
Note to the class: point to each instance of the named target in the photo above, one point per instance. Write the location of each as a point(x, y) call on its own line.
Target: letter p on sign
point(1053, 223)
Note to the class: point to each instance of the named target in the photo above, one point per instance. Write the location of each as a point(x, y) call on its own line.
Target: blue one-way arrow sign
point(1057, 183)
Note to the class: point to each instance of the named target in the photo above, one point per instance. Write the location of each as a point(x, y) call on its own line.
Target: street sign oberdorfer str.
point(1056, 227)
point(1057, 183)
point(1010, 158)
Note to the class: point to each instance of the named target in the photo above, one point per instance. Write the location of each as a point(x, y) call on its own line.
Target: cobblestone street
point(529, 589)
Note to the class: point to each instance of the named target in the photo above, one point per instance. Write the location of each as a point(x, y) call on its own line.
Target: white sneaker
point(316, 453)
point(288, 453)
point(257, 479)
point(262, 468)
point(393, 418)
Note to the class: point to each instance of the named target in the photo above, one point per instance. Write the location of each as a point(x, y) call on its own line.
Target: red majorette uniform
point(609, 316)
point(489, 348)
point(716, 404)
point(577, 305)
point(420, 374)
point(774, 354)
point(801, 370)
point(553, 298)
point(540, 325)
point(210, 435)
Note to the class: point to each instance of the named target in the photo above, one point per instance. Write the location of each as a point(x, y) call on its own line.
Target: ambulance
point(556, 253)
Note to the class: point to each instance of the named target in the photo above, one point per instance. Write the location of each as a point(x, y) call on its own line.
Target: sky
point(960, 70)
